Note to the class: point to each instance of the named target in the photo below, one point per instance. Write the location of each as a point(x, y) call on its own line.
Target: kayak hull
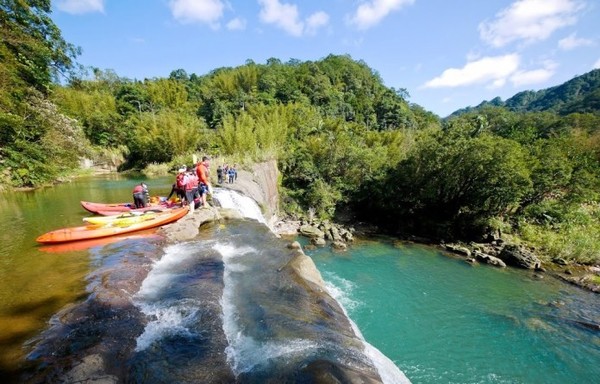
point(119, 207)
point(87, 232)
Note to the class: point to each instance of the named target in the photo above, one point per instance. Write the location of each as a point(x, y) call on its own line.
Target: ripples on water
point(441, 320)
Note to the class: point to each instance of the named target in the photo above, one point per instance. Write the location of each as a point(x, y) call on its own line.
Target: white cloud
point(77, 7)
point(236, 24)
point(535, 76)
point(596, 64)
point(492, 70)
point(316, 21)
point(529, 21)
point(372, 12)
point(571, 42)
point(286, 16)
point(197, 11)
point(282, 15)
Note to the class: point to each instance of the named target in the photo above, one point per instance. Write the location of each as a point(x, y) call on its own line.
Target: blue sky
point(448, 54)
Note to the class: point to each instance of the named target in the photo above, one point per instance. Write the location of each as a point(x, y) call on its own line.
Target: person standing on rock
point(191, 189)
point(204, 186)
point(220, 174)
point(231, 173)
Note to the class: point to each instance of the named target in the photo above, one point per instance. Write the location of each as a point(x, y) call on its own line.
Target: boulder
point(346, 235)
point(339, 245)
point(318, 241)
point(335, 234)
point(489, 259)
point(311, 231)
point(458, 249)
point(519, 256)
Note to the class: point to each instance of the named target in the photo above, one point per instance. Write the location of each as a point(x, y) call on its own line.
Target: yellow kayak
point(123, 220)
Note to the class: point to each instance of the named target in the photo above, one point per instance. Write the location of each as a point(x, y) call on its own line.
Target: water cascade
point(233, 305)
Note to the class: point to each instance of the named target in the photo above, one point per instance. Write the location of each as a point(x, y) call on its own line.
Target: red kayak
point(97, 231)
point(120, 207)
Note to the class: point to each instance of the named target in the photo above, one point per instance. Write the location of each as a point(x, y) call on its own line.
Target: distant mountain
point(580, 94)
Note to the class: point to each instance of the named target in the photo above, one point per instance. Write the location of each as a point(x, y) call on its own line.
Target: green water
point(442, 320)
point(37, 281)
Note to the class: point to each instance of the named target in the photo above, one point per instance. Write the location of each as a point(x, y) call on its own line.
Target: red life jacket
point(179, 180)
point(192, 183)
point(138, 189)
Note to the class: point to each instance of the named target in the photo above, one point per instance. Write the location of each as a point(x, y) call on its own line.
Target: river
point(437, 318)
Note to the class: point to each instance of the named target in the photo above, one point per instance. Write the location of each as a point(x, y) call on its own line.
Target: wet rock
point(458, 249)
point(346, 235)
point(294, 245)
point(305, 268)
point(90, 370)
point(318, 241)
point(339, 245)
point(519, 256)
point(311, 231)
point(488, 259)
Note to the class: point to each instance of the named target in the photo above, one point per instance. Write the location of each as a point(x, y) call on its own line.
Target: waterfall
point(243, 352)
point(229, 306)
point(228, 198)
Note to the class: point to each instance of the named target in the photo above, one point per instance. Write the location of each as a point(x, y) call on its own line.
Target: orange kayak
point(87, 244)
point(97, 231)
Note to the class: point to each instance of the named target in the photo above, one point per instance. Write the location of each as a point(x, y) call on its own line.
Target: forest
point(343, 141)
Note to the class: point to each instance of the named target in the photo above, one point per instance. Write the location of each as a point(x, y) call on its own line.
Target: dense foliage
point(580, 94)
point(342, 139)
point(37, 143)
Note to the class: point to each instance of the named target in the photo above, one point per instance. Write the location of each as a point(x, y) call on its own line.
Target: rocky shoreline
point(260, 183)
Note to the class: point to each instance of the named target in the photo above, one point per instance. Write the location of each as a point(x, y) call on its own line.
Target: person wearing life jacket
point(191, 188)
point(203, 174)
point(178, 188)
point(140, 195)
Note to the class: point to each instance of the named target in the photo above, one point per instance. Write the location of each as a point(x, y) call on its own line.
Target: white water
point(244, 353)
point(172, 317)
point(341, 290)
point(243, 204)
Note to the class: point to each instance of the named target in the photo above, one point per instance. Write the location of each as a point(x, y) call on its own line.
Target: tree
point(33, 54)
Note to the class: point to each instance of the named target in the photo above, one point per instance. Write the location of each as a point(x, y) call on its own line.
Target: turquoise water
point(442, 320)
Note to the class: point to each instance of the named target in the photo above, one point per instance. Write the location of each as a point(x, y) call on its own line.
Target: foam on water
point(169, 317)
point(164, 270)
point(244, 352)
point(340, 289)
point(173, 319)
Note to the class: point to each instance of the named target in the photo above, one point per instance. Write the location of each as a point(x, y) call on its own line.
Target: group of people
point(191, 184)
point(226, 172)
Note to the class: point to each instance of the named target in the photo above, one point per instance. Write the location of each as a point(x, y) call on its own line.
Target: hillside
point(580, 94)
